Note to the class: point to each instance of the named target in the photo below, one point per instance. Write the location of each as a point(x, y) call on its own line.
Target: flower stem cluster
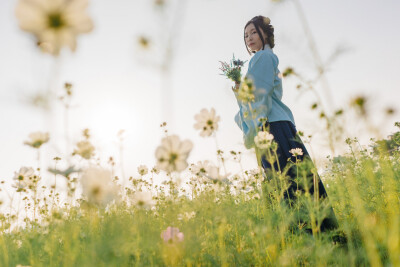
point(233, 70)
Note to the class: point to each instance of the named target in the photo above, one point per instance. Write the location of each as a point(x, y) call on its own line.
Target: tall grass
point(242, 221)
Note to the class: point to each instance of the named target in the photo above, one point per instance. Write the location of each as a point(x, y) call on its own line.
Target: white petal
point(212, 112)
point(76, 5)
point(198, 125)
point(181, 165)
point(173, 143)
point(30, 16)
point(67, 38)
point(79, 22)
point(185, 147)
point(161, 152)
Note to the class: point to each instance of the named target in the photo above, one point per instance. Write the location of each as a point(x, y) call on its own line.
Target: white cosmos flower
point(54, 23)
point(84, 149)
point(98, 187)
point(142, 170)
point(155, 170)
point(245, 185)
point(172, 154)
point(207, 122)
point(263, 139)
point(25, 177)
point(36, 139)
point(213, 173)
point(200, 168)
point(143, 199)
point(296, 152)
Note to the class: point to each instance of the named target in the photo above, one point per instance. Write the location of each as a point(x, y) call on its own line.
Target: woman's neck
point(266, 46)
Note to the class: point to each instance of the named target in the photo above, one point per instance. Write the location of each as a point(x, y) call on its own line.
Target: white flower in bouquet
point(54, 23)
point(98, 187)
point(263, 139)
point(37, 139)
point(207, 122)
point(172, 154)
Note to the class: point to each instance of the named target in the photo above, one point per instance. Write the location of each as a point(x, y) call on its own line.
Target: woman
point(265, 77)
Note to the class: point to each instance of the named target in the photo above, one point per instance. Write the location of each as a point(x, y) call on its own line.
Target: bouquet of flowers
point(232, 70)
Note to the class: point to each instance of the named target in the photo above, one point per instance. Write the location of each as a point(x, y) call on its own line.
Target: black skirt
point(286, 136)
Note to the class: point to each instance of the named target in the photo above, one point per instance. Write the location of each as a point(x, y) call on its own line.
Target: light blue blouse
point(267, 83)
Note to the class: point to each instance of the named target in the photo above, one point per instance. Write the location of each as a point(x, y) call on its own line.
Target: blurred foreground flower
point(84, 149)
point(172, 234)
point(97, 186)
point(54, 23)
point(245, 93)
point(143, 199)
point(207, 122)
point(263, 139)
point(37, 139)
point(172, 154)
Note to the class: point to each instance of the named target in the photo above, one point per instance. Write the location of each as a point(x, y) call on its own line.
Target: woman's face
point(253, 40)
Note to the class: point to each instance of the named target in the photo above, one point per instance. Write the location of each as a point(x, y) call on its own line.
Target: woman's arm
point(262, 73)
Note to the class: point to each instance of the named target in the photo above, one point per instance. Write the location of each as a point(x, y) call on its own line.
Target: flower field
point(78, 211)
point(209, 220)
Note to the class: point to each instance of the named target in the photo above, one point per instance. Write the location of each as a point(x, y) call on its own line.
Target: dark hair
point(263, 23)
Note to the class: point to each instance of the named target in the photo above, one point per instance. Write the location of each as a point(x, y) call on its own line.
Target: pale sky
point(114, 89)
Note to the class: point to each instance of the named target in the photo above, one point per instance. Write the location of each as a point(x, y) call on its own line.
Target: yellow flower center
point(56, 21)
point(172, 158)
point(96, 190)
